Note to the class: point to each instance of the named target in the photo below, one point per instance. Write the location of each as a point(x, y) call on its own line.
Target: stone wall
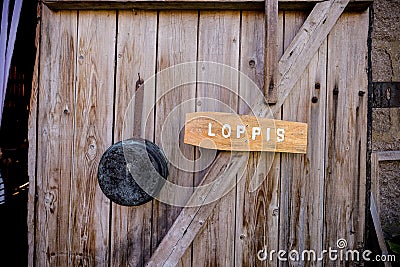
point(386, 121)
point(386, 41)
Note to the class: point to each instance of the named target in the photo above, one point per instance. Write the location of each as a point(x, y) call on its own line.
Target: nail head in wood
point(139, 82)
point(335, 91)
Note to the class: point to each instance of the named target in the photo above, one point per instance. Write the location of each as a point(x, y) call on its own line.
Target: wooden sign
point(226, 131)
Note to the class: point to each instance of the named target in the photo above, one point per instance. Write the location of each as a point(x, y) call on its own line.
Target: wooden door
point(86, 71)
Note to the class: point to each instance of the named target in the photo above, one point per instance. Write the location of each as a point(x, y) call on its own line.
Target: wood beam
point(191, 4)
point(271, 52)
point(292, 64)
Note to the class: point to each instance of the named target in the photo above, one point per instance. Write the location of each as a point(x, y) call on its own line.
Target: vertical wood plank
point(219, 42)
point(302, 217)
point(346, 131)
point(361, 20)
point(271, 51)
point(55, 137)
point(93, 135)
point(136, 53)
point(177, 43)
point(293, 22)
point(219, 34)
point(256, 212)
point(32, 140)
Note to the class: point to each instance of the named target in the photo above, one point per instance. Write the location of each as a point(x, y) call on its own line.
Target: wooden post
point(271, 51)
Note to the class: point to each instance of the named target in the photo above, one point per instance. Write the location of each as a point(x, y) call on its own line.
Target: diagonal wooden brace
point(292, 64)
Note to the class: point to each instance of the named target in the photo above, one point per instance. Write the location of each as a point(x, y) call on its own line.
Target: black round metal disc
point(131, 172)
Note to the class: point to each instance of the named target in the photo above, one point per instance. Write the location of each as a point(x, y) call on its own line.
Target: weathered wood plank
point(90, 208)
point(32, 140)
point(252, 57)
point(355, 5)
point(256, 210)
point(221, 32)
point(232, 132)
point(251, 209)
point(271, 52)
point(176, 4)
point(302, 176)
point(293, 22)
point(136, 53)
point(346, 132)
point(185, 227)
point(55, 137)
point(218, 42)
point(177, 37)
